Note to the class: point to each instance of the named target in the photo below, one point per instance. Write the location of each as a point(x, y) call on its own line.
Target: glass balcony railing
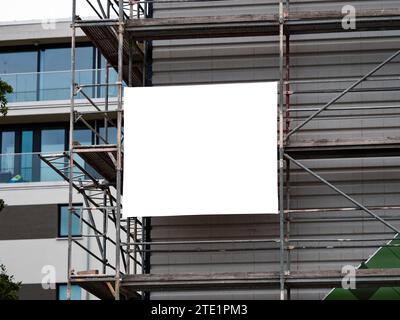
point(56, 85)
point(28, 167)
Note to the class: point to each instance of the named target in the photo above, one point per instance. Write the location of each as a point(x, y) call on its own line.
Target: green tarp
point(387, 257)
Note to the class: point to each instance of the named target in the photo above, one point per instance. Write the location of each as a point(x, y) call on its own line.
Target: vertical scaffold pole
point(71, 149)
point(281, 156)
point(128, 245)
point(130, 62)
point(119, 150)
point(105, 196)
point(287, 128)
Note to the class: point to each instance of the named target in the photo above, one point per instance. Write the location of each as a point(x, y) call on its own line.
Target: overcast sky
point(20, 10)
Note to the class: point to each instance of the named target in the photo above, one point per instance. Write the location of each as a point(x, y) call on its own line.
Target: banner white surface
point(199, 150)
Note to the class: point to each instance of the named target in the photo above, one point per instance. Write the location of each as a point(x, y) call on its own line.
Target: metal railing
point(56, 85)
point(109, 9)
point(28, 167)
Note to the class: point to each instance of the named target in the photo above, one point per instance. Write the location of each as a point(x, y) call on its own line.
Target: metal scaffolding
point(123, 33)
point(102, 192)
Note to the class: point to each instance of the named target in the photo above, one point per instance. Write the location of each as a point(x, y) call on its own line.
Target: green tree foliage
point(5, 88)
point(8, 287)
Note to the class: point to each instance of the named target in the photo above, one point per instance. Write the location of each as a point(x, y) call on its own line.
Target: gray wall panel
point(204, 8)
point(36, 292)
point(374, 182)
point(29, 222)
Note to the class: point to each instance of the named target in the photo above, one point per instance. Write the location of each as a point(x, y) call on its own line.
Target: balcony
point(28, 167)
point(56, 85)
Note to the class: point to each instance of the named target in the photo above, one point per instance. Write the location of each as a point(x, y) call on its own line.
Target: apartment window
point(20, 148)
point(27, 159)
point(52, 141)
point(59, 59)
point(55, 74)
point(7, 160)
point(8, 142)
point(16, 159)
point(111, 133)
point(84, 137)
point(19, 70)
point(113, 78)
point(63, 213)
point(43, 72)
point(18, 62)
point(76, 292)
point(55, 71)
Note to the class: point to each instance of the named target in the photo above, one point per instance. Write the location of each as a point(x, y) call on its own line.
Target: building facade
point(36, 62)
point(321, 61)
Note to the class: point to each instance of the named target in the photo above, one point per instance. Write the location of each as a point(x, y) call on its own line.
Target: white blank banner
point(199, 150)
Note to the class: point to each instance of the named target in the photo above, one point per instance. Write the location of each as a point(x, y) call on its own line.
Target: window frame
point(58, 285)
point(59, 208)
point(56, 127)
point(16, 145)
point(40, 49)
point(37, 129)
